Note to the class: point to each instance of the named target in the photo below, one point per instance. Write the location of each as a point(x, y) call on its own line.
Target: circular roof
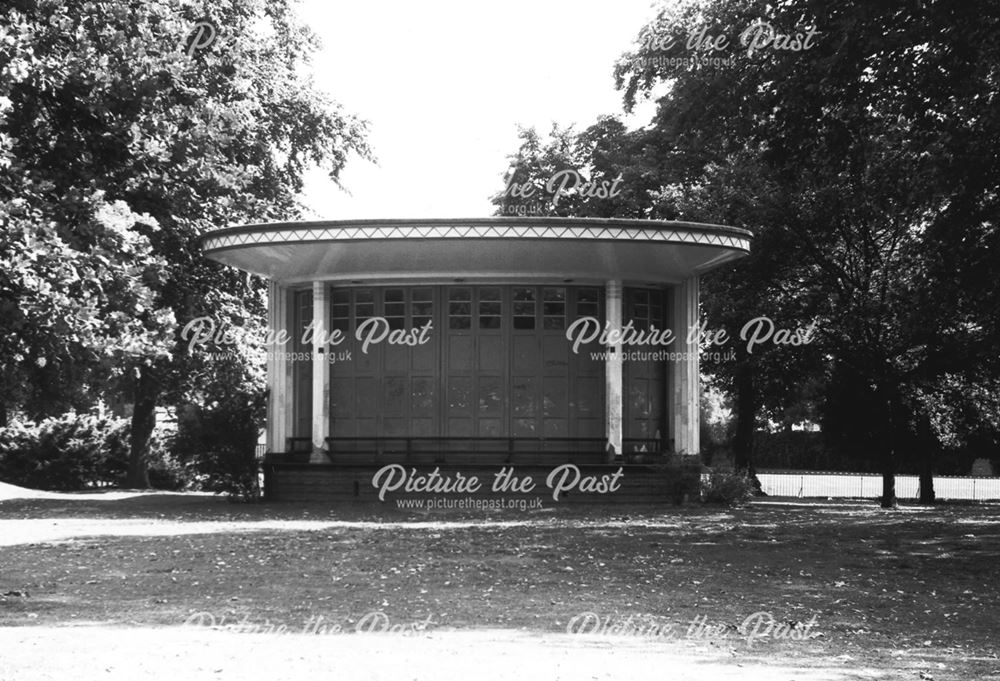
point(499, 247)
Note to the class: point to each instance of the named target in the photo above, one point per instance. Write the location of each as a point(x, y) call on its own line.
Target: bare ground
point(136, 583)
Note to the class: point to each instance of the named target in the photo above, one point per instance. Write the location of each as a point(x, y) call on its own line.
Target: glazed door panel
point(301, 365)
point(496, 363)
point(385, 388)
point(644, 378)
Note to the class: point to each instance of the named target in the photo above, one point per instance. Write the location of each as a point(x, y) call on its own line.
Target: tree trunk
point(927, 495)
point(888, 443)
point(746, 416)
point(888, 483)
point(147, 389)
point(746, 422)
point(927, 447)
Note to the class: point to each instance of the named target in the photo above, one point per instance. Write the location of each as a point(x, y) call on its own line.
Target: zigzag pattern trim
point(370, 233)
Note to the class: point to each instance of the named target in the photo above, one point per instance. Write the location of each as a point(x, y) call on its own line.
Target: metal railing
point(869, 485)
point(466, 449)
point(438, 449)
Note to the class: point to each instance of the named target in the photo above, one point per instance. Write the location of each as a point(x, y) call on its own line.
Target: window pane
point(587, 302)
point(490, 309)
point(460, 308)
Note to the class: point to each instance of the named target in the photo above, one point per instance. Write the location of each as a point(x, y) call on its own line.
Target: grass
point(899, 593)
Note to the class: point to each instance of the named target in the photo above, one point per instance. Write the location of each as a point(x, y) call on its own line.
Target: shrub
point(219, 444)
point(727, 488)
point(167, 472)
point(76, 451)
point(683, 475)
point(68, 452)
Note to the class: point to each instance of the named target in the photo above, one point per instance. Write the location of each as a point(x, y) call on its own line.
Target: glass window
point(525, 308)
point(490, 307)
point(423, 306)
point(395, 307)
point(588, 302)
point(364, 304)
point(656, 308)
point(340, 310)
point(460, 308)
point(554, 308)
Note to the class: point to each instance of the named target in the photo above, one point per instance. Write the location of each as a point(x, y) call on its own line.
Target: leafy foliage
point(219, 443)
point(867, 166)
point(68, 452)
point(875, 154)
point(119, 147)
point(76, 451)
point(728, 488)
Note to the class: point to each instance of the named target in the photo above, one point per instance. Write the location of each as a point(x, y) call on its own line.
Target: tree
point(662, 177)
point(881, 140)
point(118, 103)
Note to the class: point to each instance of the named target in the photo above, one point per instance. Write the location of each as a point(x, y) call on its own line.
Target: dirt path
point(905, 594)
point(192, 654)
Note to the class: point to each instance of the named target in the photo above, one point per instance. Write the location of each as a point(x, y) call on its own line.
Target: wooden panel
point(342, 406)
point(302, 365)
point(644, 380)
point(497, 363)
point(393, 388)
point(586, 373)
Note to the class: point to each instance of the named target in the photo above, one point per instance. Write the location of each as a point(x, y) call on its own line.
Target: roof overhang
point(498, 248)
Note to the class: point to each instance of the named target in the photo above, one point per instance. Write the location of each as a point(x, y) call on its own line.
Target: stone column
point(613, 368)
point(685, 385)
point(320, 372)
point(279, 407)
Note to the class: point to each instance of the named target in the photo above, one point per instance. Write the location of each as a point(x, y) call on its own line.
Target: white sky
point(444, 85)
